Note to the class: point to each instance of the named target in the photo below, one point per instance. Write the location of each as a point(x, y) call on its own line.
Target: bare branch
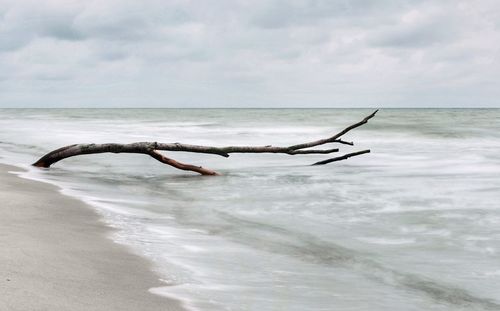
point(81, 149)
point(151, 149)
point(185, 167)
point(340, 141)
point(335, 137)
point(310, 151)
point(191, 148)
point(344, 157)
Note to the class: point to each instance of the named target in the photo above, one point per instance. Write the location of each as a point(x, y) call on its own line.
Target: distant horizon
point(256, 108)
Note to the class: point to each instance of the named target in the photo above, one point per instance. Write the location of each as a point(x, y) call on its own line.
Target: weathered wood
point(344, 157)
point(151, 149)
point(185, 167)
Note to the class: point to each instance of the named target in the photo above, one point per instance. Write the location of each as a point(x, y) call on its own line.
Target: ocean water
point(414, 225)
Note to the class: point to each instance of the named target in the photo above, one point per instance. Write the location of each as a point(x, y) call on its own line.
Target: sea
point(413, 225)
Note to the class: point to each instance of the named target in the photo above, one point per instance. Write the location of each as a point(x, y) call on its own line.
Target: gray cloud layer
point(276, 53)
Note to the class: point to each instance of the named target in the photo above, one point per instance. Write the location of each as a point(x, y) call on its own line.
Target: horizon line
point(269, 108)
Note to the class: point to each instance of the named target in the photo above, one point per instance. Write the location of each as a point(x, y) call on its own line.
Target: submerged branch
point(344, 157)
point(151, 149)
point(185, 167)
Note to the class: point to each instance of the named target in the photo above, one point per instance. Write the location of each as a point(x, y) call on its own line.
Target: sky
point(234, 53)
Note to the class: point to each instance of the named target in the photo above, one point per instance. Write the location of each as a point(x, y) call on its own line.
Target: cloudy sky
point(234, 53)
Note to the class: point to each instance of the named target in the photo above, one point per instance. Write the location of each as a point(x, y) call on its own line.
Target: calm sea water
point(415, 225)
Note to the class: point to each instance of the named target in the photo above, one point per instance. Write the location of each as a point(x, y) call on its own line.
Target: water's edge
point(411, 226)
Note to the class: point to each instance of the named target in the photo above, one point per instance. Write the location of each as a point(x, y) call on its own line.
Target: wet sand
point(54, 255)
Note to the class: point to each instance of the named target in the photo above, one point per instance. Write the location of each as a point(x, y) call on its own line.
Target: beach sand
point(54, 255)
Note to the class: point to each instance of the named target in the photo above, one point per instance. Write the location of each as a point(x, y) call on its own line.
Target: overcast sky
point(308, 53)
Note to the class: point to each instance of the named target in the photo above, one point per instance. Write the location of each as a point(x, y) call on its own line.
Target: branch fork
point(152, 149)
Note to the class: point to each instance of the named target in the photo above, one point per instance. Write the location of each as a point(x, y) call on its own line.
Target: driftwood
point(151, 149)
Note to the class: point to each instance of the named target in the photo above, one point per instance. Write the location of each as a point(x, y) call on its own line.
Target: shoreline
point(56, 255)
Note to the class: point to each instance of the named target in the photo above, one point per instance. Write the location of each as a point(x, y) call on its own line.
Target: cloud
point(249, 53)
point(421, 27)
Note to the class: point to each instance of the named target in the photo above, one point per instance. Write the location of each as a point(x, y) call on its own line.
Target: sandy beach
point(55, 255)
